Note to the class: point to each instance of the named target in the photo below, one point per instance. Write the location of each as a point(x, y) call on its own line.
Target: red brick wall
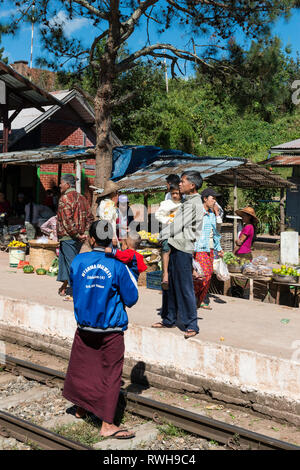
point(59, 134)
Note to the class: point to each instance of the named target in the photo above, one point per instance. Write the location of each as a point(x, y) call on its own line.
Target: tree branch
point(128, 26)
point(94, 11)
point(151, 50)
point(124, 99)
point(95, 42)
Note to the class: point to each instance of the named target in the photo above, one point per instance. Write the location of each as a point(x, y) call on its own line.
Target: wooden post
point(146, 217)
point(78, 176)
point(146, 195)
point(38, 184)
point(235, 207)
point(282, 216)
point(59, 174)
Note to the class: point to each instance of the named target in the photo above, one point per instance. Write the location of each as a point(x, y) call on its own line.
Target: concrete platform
point(247, 352)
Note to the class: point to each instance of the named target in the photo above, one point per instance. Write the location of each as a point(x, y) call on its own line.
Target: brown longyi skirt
point(94, 374)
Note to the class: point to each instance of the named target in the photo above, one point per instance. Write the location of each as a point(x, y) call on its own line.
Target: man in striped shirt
point(208, 241)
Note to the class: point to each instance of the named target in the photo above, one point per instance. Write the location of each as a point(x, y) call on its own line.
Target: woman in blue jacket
point(102, 287)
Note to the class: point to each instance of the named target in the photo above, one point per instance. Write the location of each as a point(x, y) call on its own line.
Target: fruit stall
point(151, 251)
point(278, 279)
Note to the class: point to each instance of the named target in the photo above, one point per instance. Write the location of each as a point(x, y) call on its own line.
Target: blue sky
point(18, 47)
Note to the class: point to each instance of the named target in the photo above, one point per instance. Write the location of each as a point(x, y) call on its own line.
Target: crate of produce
point(153, 280)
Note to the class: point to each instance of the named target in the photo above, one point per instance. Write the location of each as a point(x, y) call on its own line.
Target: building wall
point(53, 133)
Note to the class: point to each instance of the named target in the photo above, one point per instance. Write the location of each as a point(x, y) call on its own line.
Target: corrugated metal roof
point(57, 154)
point(22, 92)
point(153, 176)
point(292, 145)
point(250, 175)
point(217, 171)
point(282, 160)
point(30, 118)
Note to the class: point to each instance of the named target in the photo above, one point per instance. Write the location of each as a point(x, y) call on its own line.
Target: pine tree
point(118, 20)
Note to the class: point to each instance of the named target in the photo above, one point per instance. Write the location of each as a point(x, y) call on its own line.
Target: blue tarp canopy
point(128, 159)
point(139, 168)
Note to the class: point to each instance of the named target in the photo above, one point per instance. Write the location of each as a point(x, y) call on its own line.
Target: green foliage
point(171, 430)
point(258, 80)
point(85, 432)
point(2, 52)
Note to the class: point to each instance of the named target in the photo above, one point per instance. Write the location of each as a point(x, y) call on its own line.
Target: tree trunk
point(103, 130)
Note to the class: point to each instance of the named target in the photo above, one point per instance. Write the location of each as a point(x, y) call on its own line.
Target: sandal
point(160, 325)
point(115, 435)
point(80, 413)
point(190, 333)
point(205, 306)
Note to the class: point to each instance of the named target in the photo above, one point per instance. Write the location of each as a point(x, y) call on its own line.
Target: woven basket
point(41, 255)
point(227, 237)
point(232, 268)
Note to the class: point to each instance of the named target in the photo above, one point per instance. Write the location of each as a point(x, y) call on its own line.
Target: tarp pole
point(38, 184)
point(59, 174)
point(78, 176)
point(235, 206)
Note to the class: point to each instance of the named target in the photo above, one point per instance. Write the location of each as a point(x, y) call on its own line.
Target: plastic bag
point(263, 270)
point(249, 270)
point(260, 260)
point(221, 270)
point(42, 239)
point(197, 267)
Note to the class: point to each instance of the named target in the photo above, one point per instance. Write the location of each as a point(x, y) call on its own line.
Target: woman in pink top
point(244, 243)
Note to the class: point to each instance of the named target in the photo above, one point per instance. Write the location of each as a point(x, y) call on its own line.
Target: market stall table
point(278, 284)
point(252, 279)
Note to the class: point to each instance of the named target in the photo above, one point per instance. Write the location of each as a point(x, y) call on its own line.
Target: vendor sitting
point(247, 235)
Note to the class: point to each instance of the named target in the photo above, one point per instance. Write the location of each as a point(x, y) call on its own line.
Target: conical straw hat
point(247, 210)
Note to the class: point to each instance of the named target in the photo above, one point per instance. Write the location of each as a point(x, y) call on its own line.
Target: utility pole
point(166, 74)
point(194, 49)
point(32, 27)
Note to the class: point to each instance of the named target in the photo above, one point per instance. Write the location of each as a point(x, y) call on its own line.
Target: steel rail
point(200, 425)
point(27, 432)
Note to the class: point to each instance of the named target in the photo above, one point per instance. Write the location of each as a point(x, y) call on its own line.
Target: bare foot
point(63, 288)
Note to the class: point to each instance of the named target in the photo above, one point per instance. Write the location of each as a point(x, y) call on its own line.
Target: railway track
point(24, 431)
point(233, 436)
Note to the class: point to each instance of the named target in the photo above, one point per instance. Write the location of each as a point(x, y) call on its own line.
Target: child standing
point(165, 214)
point(128, 255)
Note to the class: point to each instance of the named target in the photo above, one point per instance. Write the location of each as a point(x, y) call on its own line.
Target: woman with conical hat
point(244, 243)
